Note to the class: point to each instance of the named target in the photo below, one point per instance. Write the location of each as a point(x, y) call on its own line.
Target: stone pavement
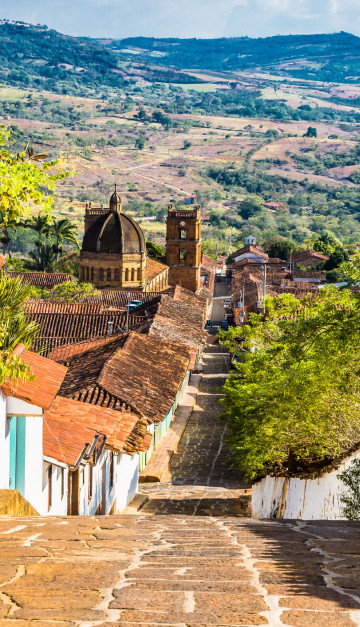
point(177, 571)
point(199, 479)
point(185, 559)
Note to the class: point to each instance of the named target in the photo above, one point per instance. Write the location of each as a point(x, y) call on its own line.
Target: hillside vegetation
point(263, 153)
point(331, 58)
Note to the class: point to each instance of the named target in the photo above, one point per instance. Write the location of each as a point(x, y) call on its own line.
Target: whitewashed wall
point(301, 499)
point(33, 446)
point(59, 500)
point(125, 484)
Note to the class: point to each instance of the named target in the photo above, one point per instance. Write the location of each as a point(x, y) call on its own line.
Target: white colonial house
point(66, 456)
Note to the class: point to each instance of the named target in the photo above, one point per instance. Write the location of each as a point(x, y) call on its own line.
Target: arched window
point(138, 274)
point(182, 233)
point(108, 274)
point(133, 274)
point(101, 274)
point(182, 254)
point(116, 274)
point(92, 275)
point(127, 274)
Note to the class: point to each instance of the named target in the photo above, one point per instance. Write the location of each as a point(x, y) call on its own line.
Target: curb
point(135, 505)
point(159, 461)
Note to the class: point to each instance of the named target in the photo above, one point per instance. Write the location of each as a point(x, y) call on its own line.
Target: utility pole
point(225, 246)
point(127, 312)
point(229, 245)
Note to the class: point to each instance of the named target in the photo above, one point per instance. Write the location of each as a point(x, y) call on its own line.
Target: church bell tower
point(183, 247)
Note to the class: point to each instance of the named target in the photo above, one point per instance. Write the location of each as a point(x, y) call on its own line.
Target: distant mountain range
point(333, 58)
point(42, 58)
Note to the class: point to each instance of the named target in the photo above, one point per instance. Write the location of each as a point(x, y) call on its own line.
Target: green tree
point(311, 132)
point(350, 499)
point(279, 247)
point(73, 292)
point(336, 258)
point(43, 258)
point(41, 224)
point(325, 244)
point(63, 231)
point(187, 144)
point(26, 179)
point(155, 251)
point(251, 206)
point(14, 328)
point(293, 401)
point(140, 142)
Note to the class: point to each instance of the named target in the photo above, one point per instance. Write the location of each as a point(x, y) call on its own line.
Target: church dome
point(114, 233)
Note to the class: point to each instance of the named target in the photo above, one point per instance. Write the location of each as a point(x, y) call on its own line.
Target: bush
point(351, 499)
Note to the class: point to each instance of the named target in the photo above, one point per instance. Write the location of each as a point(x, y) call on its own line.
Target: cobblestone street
point(188, 558)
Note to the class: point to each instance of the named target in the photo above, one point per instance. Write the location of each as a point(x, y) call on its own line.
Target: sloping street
point(188, 558)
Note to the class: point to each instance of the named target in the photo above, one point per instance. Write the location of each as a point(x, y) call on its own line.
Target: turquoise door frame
point(17, 453)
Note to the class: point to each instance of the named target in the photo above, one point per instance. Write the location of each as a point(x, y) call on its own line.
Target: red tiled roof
point(63, 353)
point(69, 424)
point(309, 254)
point(62, 323)
point(154, 268)
point(48, 377)
point(249, 248)
point(2, 260)
point(176, 319)
point(137, 370)
point(42, 279)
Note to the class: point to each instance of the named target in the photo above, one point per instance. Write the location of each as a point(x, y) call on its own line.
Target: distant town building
point(308, 259)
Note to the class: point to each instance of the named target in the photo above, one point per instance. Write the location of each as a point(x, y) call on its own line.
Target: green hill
point(334, 58)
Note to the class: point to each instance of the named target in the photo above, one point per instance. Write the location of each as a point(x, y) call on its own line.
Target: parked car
point(228, 302)
point(224, 325)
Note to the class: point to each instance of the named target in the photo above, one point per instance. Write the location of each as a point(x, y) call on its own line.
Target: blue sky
point(187, 18)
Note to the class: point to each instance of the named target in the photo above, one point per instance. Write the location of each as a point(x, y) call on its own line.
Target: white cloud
point(188, 18)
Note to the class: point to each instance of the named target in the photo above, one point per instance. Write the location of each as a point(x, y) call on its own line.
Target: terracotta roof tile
point(42, 279)
point(69, 424)
point(249, 248)
point(154, 268)
point(48, 377)
point(308, 255)
point(136, 370)
point(63, 323)
point(179, 319)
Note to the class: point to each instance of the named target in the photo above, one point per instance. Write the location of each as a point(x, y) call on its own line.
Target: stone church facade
point(113, 253)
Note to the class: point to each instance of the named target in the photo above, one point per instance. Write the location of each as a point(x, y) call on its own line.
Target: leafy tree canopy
point(251, 206)
point(26, 180)
point(14, 328)
point(155, 251)
point(73, 292)
point(279, 247)
point(294, 400)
